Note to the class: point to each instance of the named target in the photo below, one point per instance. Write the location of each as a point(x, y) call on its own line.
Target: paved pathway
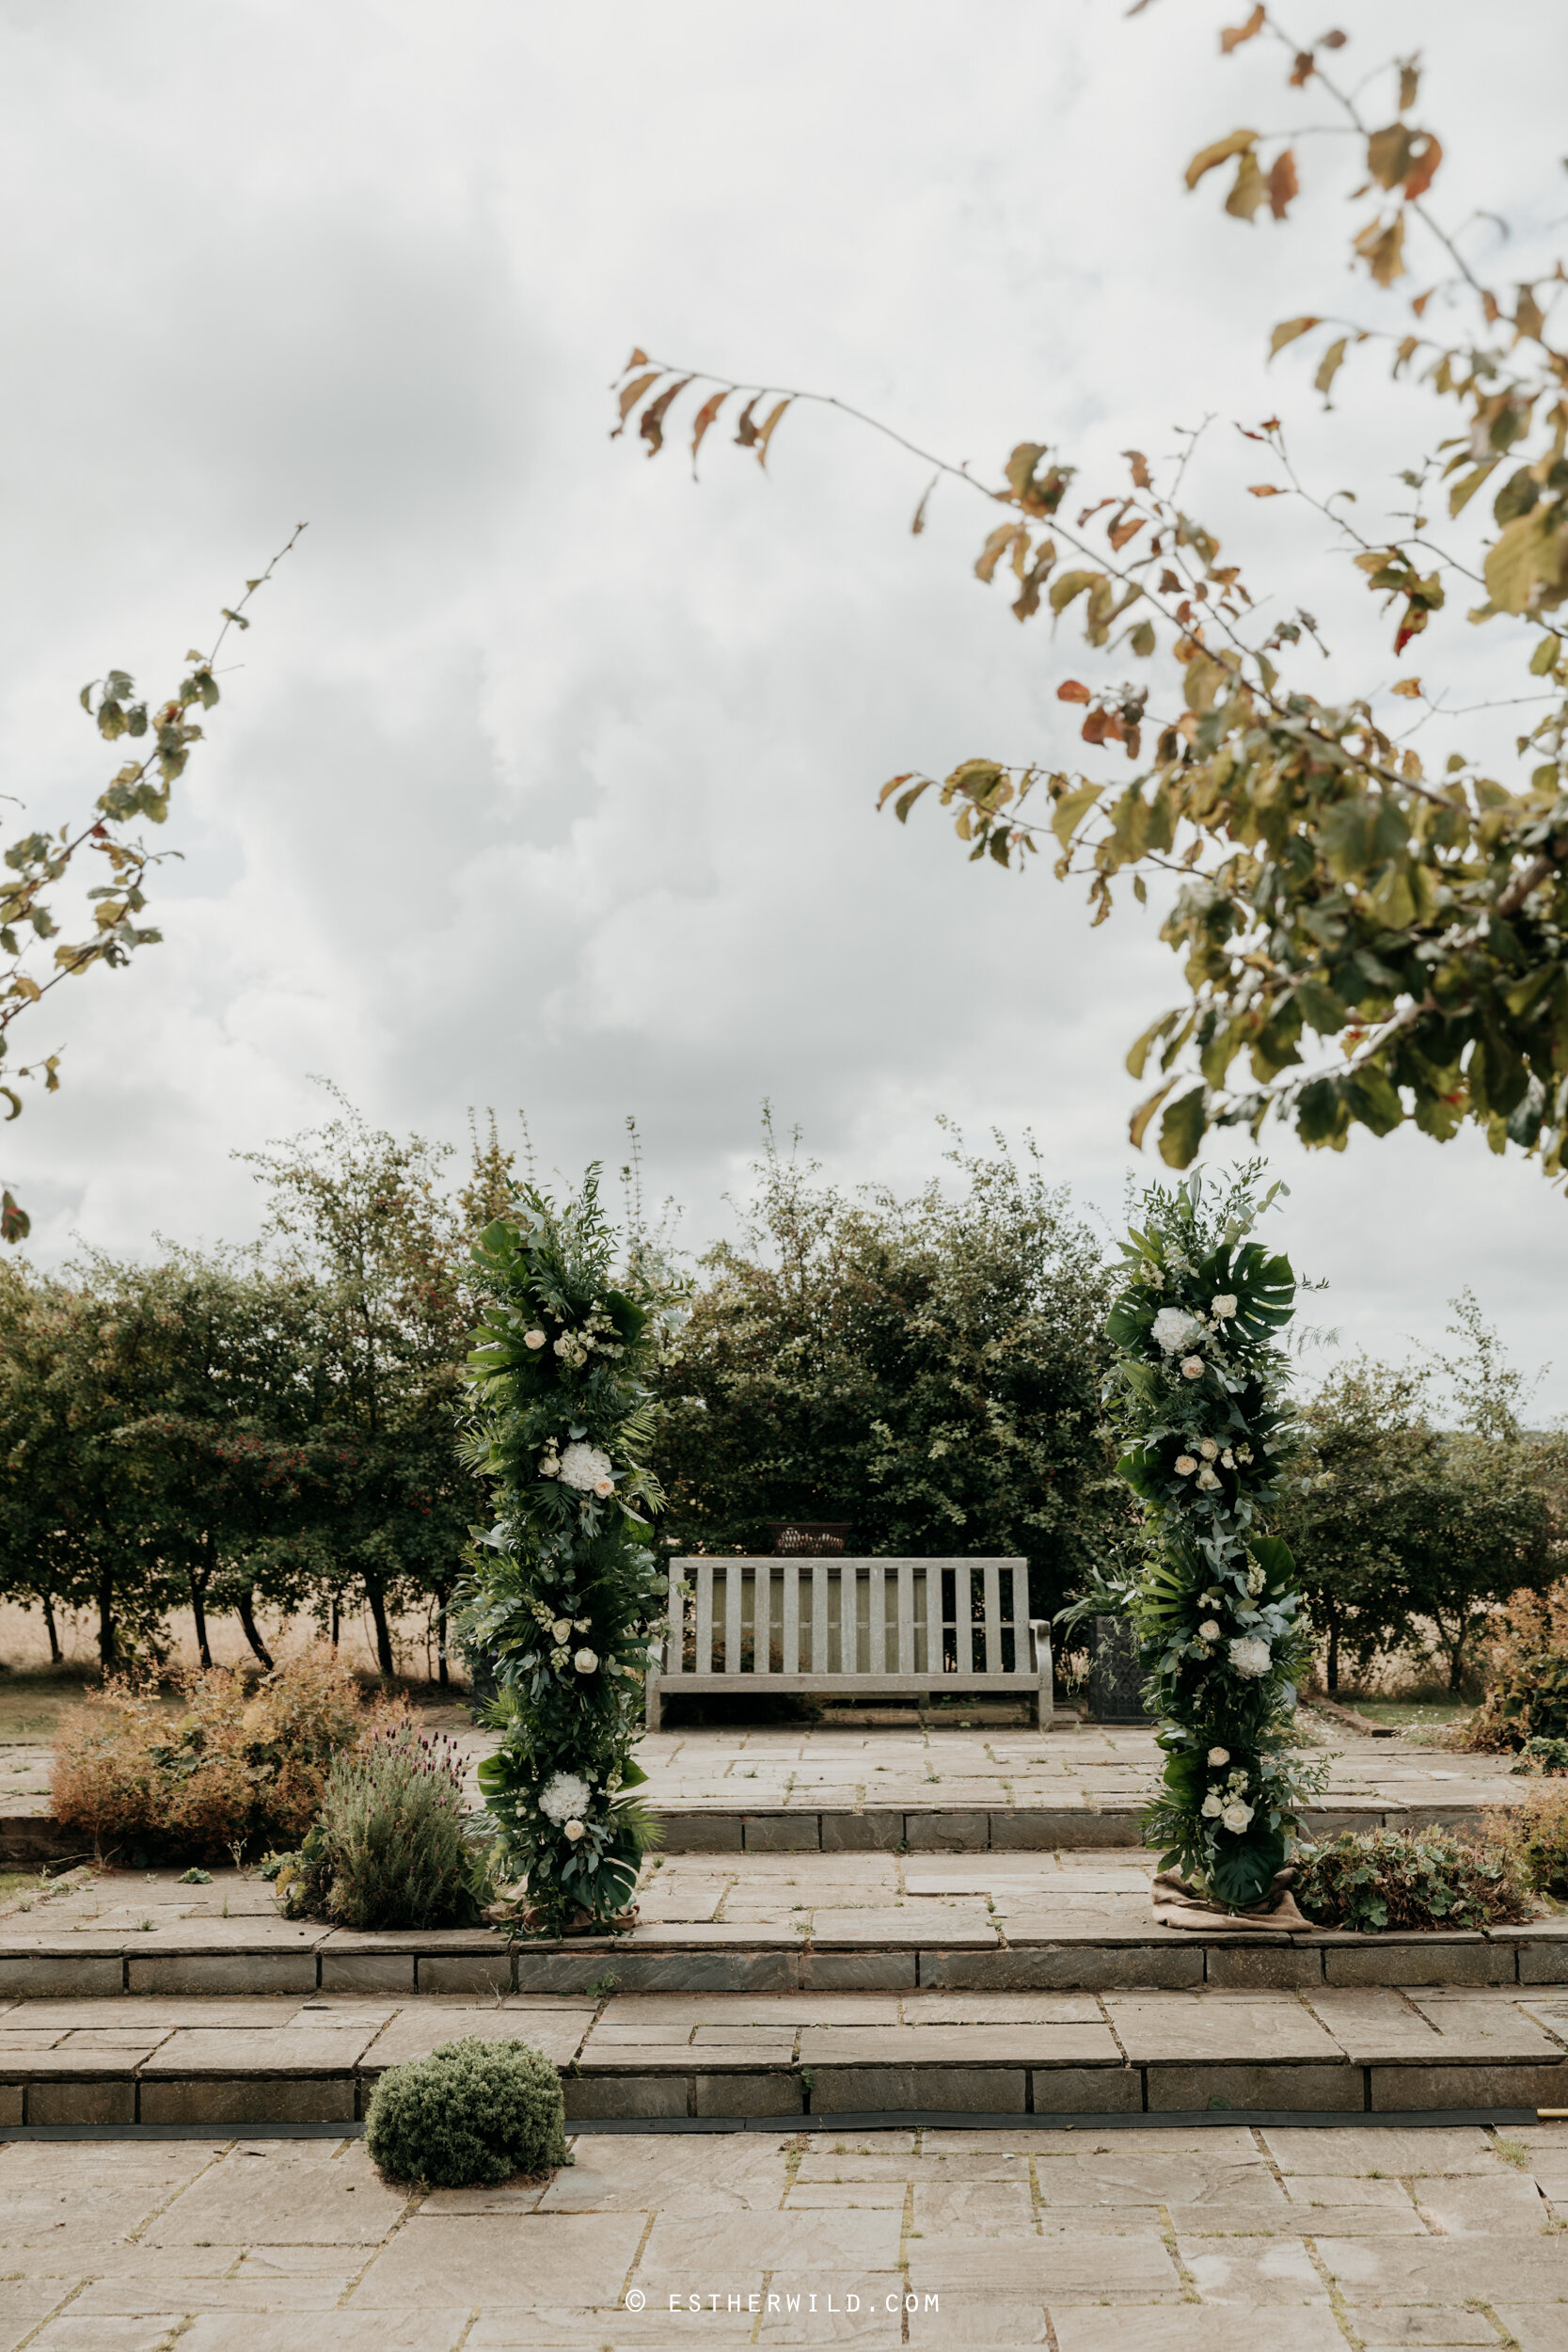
point(1221, 2240)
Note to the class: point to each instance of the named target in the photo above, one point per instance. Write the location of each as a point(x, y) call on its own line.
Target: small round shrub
point(1432, 1877)
point(470, 2114)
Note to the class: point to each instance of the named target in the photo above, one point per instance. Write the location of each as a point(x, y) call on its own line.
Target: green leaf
point(1182, 1129)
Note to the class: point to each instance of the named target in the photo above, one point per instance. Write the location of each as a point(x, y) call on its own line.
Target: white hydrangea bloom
point(585, 1468)
point(563, 1796)
point(1174, 1327)
point(1250, 1657)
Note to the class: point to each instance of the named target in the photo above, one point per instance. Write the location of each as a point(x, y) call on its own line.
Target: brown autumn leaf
point(701, 422)
point(1410, 82)
point(1304, 69)
point(638, 359)
point(651, 428)
point(1333, 360)
point(767, 433)
point(1333, 40)
point(630, 397)
point(919, 523)
point(1248, 190)
point(1410, 687)
point(1390, 153)
point(1381, 245)
point(1264, 490)
point(1121, 532)
point(1420, 177)
point(1418, 302)
point(745, 430)
point(1234, 38)
point(998, 541)
point(1287, 331)
point(1528, 317)
point(1234, 143)
point(1096, 726)
point(892, 785)
point(1071, 690)
point(1284, 187)
point(1140, 469)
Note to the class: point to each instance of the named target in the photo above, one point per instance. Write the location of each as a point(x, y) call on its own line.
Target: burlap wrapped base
point(1177, 1905)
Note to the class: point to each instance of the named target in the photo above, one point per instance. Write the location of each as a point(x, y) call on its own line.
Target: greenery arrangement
point(928, 1369)
point(471, 2114)
point(1372, 929)
point(1369, 1880)
point(566, 1587)
point(1200, 1396)
point(241, 1769)
point(389, 1847)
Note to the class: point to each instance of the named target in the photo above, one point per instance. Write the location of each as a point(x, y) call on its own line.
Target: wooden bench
point(839, 1625)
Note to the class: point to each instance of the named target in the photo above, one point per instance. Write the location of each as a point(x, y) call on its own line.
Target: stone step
point(627, 2058)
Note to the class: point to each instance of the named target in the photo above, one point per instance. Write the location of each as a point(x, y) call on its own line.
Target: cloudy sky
point(548, 778)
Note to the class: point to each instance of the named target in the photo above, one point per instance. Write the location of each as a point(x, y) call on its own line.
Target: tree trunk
point(245, 1608)
point(55, 1653)
point(375, 1594)
point(109, 1653)
point(1331, 1667)
point(198, 1605)
point(1456, 1665)
point(336, 1616)
point(441, 1674)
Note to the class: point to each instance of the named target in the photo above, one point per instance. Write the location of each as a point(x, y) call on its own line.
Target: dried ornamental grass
point(244, 1766)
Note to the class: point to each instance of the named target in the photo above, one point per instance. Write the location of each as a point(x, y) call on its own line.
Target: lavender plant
point(1201, 1397)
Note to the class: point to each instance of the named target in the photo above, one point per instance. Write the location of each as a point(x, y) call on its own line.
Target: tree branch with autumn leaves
point(1369, 937)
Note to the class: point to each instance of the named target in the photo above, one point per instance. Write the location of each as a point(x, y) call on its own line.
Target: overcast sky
point(548, 778)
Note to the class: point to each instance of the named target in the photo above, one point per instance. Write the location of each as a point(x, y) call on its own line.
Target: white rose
point(574, 1831)
point(563, 1795)
point(1250, 1657)
point(1192, 1367)
point(1207, 1480)
point(1211, 1807)
point(1184, 1465)
point(1209, 1450)
point(1209, 1631)
point(1223, 1307)
point(1236, 1816)
point(1228, 1460)
point(604, 1485)
point(585, 1660)
point(533, 1339)
point(584, 1467)
point(1219, 1756)
point(1173, 1328)
point(562, 1629)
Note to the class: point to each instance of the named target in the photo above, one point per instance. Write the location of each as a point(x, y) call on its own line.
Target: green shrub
point(1432, 1877)
point(1543, 1756)
point(1535, 1836)
point(390, 1848)
point(470, 2114)
point(1527, 1674)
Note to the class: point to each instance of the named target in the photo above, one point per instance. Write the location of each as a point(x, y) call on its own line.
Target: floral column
point(1200, 1396)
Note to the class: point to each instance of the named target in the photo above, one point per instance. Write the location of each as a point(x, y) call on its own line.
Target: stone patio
point(1182, 2240)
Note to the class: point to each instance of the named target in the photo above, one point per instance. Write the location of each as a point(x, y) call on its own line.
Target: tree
point(1402, 908)
point(361, 1214)
point(38, 862)
point(927, 1368)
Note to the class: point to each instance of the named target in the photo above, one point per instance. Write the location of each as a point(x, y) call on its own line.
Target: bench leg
point(1046, 1703)
point(655, 1704)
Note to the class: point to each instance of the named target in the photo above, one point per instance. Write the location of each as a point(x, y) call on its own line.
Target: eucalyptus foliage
point(1200, 1396)
point(566, 1587)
